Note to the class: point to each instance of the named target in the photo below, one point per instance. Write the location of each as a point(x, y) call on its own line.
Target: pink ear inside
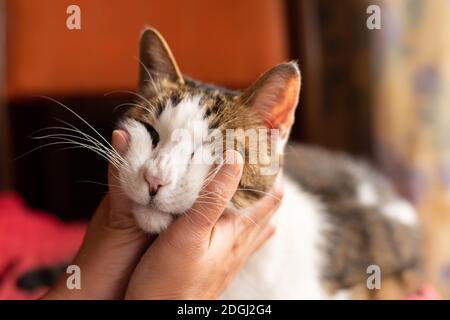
point(282, 110)
point(276, 97)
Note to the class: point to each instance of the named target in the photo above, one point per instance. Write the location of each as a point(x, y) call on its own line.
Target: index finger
point(204, 215)
point(265, 207)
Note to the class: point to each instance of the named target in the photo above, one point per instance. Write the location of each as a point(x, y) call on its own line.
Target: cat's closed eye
point(152, 132)
point(174, 100)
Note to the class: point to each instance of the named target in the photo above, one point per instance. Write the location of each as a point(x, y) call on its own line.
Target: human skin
point(195, 258)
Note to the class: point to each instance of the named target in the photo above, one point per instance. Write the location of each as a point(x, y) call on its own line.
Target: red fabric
point(427, 292)
point(31, 238)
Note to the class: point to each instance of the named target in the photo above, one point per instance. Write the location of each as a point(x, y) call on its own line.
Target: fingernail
point(279, 181)
point(232, 162)
point(119, 141)
point(232, 157)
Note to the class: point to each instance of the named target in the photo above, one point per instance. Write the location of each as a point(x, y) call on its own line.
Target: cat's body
point(289, 265)
point(338, 217)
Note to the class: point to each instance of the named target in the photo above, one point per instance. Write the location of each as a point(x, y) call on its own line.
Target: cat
point(339, 218)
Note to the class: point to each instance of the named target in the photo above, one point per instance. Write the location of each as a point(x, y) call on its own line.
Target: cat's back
point(335, 176)
point(367, 222)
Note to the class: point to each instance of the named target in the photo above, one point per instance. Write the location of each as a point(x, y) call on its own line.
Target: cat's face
point(179, 129)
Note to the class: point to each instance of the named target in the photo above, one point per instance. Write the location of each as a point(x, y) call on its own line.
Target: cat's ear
point(156, 60)
point(275, 96)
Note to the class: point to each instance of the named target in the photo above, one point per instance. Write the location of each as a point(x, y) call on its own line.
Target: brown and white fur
point(338, 216)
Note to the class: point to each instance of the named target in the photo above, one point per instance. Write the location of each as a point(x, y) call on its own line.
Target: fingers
point(203, 216)
point(120, 216)
point(261, 213)
point(264, 209)
point(262, 237)
point(119, 142)
point(253, 228)
point(112, 246)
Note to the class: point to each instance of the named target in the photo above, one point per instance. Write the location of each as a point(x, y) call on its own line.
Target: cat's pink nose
point(154, 183)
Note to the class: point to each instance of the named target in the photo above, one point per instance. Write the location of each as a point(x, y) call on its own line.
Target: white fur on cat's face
point(174, 160)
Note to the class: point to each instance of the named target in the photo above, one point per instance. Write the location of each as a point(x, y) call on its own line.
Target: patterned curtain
point(385, 95)
point(412, 116)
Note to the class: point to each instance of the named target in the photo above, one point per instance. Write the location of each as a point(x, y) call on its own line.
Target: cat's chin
point(151, 220)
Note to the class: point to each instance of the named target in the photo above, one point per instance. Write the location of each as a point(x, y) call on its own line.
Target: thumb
point(120, 216)
point(118, 199)
point(119, 142)
point(113, 243)
point(204, 214)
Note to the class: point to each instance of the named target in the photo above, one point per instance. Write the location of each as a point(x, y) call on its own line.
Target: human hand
point(195, 258)
point(202, 251)
point(112, 246)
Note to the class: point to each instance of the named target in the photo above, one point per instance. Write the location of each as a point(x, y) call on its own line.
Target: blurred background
point(383, 95)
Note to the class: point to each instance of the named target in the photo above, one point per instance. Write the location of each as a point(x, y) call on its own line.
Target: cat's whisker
point(157, 90)
point(99, 183)
point(72, 129)
point(118, 179)
point(96, 146)
point(242, 216)
point(116, 192)
point(187, 215)
point(132, 105)
point(94, 140)
point(65, 137)
point(246, 189)
point(85, 137)
point(206, 182)
point(200, 213)
point(211, 199)
point(205, 202)
point(77, 146)
point(144, 99)
point(208, 196)
point(259, 191)
point(52, 144)
point(212, 172)
point(70, 139)
point(208, 193)
point(210, 176)
point(79, 117)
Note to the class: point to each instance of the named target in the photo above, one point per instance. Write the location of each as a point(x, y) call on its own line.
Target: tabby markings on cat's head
point(180, 122)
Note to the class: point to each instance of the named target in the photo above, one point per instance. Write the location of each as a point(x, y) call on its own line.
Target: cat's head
point(179, 128)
